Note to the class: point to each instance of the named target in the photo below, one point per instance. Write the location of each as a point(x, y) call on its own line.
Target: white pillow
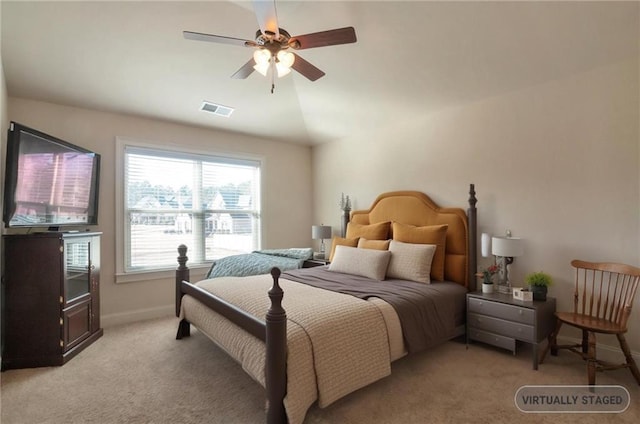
point(410, 261)
point(364, 262)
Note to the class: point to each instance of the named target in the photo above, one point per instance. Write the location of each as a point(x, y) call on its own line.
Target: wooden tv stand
point(51, 297)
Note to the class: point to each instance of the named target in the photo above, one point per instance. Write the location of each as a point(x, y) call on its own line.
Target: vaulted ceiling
point(411, 58)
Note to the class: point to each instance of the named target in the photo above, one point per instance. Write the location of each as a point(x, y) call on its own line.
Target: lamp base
point(319, 255)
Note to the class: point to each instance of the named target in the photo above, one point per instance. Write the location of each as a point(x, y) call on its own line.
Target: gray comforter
point(428, 313)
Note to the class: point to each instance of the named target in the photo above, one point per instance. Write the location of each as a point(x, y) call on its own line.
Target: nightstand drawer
point(492, 339)
point(506, 328)
point(501, 310)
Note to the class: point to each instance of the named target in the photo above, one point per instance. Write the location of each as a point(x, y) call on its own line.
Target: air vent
point(216, 109)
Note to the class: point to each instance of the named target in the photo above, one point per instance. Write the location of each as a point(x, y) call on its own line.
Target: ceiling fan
point(273, 44)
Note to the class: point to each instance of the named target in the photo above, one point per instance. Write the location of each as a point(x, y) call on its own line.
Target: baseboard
point(604, 352)
point(138, 315)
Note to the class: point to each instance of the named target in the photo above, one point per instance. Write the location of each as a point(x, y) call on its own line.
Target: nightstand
point(500, 320)
point(310, 263)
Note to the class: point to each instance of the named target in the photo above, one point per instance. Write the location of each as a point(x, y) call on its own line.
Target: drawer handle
point(520, 312)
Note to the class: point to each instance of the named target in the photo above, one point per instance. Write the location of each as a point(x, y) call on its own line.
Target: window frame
point(122, 275)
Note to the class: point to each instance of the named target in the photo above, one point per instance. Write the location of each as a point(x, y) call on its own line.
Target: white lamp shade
point(507, 246)
point(320, 232)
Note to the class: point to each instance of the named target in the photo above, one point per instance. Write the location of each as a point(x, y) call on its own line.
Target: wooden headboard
point(416, 208)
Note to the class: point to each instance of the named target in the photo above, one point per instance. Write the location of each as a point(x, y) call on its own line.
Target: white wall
point(557, 164)
point(286, 181)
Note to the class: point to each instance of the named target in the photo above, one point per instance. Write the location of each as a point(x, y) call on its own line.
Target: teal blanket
point(259, 262)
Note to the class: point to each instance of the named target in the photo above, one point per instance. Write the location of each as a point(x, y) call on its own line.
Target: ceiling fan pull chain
point(273, 74)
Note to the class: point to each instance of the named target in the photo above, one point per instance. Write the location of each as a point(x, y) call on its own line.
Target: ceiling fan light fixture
point(282, 70)
point(286, 58)
point(262, 68)
point(263, 59)
point(284, 62)
point(262, 56)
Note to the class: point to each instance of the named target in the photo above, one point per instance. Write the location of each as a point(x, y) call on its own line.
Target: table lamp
point(320, 232)
point(505, 249)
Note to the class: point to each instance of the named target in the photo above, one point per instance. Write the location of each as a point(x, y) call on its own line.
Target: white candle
point(486, 245)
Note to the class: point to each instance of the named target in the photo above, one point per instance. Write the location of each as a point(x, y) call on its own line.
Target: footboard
point(272, 331)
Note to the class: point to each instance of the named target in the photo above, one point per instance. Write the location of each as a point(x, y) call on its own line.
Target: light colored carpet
point(139, 373)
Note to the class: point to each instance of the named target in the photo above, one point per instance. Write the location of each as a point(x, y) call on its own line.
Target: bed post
point(345, 206)
point(276, 360)
point(182, 274)
point(473, 238)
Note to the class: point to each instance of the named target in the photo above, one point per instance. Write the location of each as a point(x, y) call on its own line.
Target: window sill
point(196, 273)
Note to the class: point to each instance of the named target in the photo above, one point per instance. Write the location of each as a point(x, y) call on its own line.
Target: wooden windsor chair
point(603, 298)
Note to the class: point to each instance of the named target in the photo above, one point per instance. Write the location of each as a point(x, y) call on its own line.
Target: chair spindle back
point(605, 290)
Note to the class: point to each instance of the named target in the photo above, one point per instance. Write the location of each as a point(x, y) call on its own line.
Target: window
point(209, 203)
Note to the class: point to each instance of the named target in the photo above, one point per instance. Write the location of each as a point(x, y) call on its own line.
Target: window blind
point(209, 203)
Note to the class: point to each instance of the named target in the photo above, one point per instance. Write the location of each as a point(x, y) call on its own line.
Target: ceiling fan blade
point(324, 38)
point(306, 68)
point(245, 71)
point(217, 39)
point(267, 17)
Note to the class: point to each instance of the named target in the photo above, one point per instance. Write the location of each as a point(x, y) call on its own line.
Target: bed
point(324, 332)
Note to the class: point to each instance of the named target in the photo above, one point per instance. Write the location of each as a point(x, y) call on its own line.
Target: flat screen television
point(49, 182)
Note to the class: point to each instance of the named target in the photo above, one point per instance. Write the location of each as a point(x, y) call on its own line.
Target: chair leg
point(627, 354)
point(554, 341)
point(585, 341)
point(591, 357)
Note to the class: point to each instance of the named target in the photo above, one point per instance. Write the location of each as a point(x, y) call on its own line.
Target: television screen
point(49, 182)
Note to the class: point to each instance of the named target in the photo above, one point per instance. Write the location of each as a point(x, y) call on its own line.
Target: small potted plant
point(487, 277)
point(538, 283)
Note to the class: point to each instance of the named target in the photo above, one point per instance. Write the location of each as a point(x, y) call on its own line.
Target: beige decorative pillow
point(410, 261)
point(364, 262)
point(341, 241)
point(431, 234)
point(363, 243)
point(379, 231)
